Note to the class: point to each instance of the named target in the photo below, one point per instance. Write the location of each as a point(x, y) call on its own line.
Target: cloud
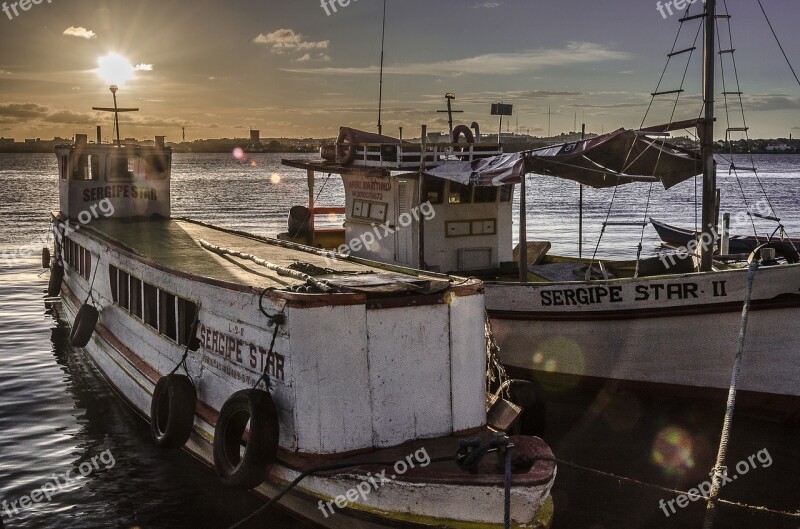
point(4, 72)
point(304, 58)
point(493, 63)
point(286, 40)
point(142, 67)
point(768, 102)
point(80, 32)
point(22, 110)
point(487, 5)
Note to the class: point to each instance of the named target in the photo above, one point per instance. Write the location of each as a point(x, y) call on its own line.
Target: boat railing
point(409, 156)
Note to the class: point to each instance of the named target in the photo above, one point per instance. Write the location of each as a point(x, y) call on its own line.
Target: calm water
point(56, 413)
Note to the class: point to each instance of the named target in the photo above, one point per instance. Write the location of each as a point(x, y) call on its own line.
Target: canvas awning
point(494, 171)
point(619, 157)
point(616, 158)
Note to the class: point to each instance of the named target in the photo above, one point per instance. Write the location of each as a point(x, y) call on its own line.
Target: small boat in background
point(738, 244)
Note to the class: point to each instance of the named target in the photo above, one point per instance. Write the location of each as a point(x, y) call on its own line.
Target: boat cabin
point(133, 181)
point(393, 216)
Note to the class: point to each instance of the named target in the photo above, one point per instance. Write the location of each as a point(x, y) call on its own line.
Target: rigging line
point(729, 124)
point(602, 231)
point(744, 118)
point(777, 40)
point(664, 72)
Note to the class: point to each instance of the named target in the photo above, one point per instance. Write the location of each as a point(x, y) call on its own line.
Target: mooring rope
point(720, 471)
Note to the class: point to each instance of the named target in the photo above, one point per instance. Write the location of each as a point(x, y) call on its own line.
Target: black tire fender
point(56, 279)
point(172, 411)
point(248, 468)
point(45, 257)
point(463, 130)
point(84, 326)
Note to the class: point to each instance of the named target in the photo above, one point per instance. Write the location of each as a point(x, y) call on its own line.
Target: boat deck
point(176, 244)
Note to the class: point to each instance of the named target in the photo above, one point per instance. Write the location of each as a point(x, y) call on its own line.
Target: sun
point(115, 69)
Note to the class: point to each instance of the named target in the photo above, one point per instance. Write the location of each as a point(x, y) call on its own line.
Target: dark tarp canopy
point(619, 157)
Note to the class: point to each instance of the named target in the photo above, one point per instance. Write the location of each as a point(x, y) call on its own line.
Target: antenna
point(380, 92)
point(116, 111)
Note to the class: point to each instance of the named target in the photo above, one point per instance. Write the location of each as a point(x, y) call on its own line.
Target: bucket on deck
point(299, 221)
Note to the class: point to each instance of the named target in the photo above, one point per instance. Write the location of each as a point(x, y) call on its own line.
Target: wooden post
point(580, 211)
point(523, 233)
point(310, 177)
point(422, 265)
point(707, 138)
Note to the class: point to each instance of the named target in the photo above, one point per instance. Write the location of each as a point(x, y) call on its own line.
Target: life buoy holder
point(45, 257)
point(345, 147)
point(172, 411)
point(84, 325)
point(248, 468)
point(56, 279)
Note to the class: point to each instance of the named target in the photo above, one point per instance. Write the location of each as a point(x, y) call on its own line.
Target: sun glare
point(115, 69)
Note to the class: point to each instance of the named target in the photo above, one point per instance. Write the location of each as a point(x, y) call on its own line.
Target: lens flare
point(674, 452)
point(275, 178)
point(238, 153)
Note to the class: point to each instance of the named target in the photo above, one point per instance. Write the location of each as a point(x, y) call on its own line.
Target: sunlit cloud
point(142, 67)
point(493, 63)
point(80, 32)
point(285, 40)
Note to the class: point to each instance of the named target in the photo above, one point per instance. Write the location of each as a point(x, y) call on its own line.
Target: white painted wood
point(410, 387)
point(468, 362)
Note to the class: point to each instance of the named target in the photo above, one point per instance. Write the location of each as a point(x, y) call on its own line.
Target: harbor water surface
point(57, 413)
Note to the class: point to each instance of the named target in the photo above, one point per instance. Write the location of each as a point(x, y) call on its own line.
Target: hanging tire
point(83, 328)
point(246, 468)
point(45, 257)
point(56, 279)
point(525, 394)
point(172, 411)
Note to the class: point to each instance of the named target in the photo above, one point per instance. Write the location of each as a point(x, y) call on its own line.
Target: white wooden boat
point(292, 362)
point(665, 324)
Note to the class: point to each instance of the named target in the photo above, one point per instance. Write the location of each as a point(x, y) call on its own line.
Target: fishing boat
point(354, 392)
point(659, 323)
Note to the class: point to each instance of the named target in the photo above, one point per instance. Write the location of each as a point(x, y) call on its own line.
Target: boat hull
point(679, 332)
point(132, 357)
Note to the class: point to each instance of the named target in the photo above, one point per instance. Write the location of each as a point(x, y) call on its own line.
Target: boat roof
point(175, 245)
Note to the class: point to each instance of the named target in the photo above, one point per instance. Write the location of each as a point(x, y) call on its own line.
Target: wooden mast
point(707, 137)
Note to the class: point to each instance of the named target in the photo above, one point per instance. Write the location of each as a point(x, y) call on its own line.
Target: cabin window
point(86, 167)
point(78, 258)
point(373, 211)
point(459, 193)
point(507, 193)
point(156, 167)
point(123, 290)
point(435, 189)
point(187, 312)
point(167, 310)
point(113, 274)
point(122, 168)
point(485, 195)
point(136, 297)
point(151, 305)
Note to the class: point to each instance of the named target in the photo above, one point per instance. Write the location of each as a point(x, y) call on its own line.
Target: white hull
point(686, 337)
point(132, 357)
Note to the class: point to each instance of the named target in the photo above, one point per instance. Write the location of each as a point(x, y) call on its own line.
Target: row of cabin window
point(118, 168)
point(78, 257)
point(466, 194)
point(168, 314)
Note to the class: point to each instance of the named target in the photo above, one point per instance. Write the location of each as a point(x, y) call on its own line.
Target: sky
point(293, 68)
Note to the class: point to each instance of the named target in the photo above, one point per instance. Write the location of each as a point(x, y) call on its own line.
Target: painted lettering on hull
point(598, 295)
point(237, 351)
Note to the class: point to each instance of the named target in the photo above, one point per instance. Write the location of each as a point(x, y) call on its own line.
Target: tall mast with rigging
point(707, 138)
